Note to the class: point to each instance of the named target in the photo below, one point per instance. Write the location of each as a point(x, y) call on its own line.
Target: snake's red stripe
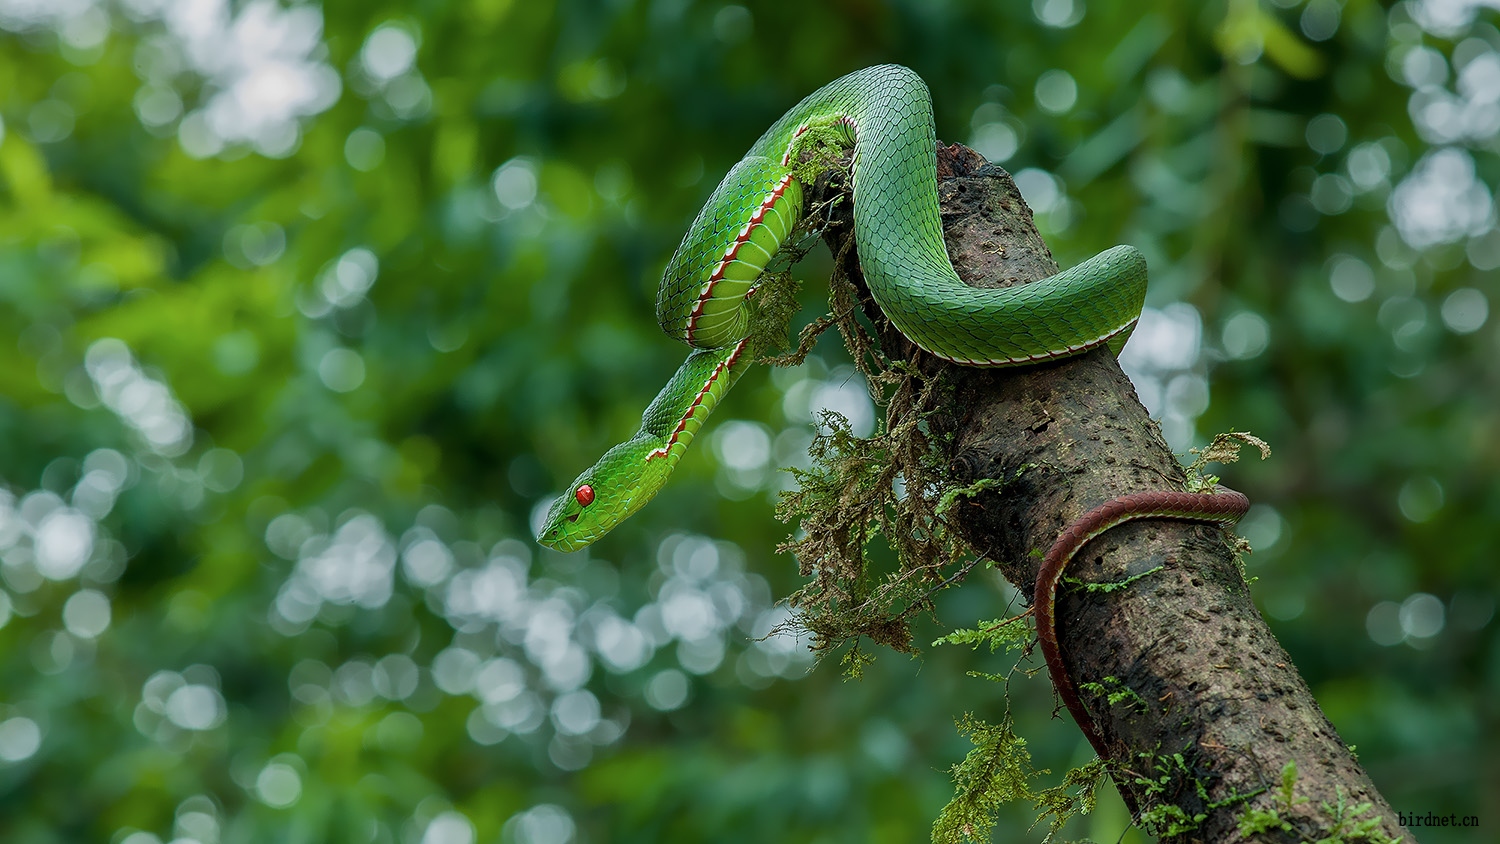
point(723, 367)
point(1225, 506)
point(733, 251)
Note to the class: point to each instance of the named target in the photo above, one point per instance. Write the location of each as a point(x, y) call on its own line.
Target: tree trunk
point(1209, 680)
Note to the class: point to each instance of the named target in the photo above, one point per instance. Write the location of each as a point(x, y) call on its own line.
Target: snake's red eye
point(585, 495)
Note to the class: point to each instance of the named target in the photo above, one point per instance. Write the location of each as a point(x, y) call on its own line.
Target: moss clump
point(1115, 692)
point(997, 771)
point(861, 488)
point(1347, 825)
point(1225, 448)
point(821, 149)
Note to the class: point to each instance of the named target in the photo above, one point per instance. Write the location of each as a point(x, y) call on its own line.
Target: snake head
point(573, 520)
point(607, 493)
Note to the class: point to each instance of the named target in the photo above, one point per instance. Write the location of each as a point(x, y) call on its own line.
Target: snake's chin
point(564, 543)
point(555, 535)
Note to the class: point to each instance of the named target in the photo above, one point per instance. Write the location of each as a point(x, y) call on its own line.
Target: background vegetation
point(307, 310)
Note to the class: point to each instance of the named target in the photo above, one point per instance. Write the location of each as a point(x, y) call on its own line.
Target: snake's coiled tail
point(1224, 507)
point(885, 114)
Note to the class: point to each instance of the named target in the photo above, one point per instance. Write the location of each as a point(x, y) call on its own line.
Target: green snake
point(885, 114)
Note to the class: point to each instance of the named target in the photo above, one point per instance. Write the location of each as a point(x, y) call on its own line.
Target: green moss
point(1115, 692)
point(1007, 634)
point(951, 496)
point(1166, 820)
point(820, 149)
point(1113, 585)
point(1348, 827)
point(858, 489)
point(998, 771)
point(1225, 448)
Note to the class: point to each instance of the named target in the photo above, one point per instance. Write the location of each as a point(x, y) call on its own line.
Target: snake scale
point(884, 114)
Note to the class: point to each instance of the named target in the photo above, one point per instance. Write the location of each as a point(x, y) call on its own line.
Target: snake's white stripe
point(708, 384)
point(729, 255)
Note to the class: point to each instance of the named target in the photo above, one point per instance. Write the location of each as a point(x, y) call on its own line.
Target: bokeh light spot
point(1058, 14)
point(668, 690)
point(1350, 278)
point(1056, 92)
point(1420, 498)
point(389, 52)
point(278, 785)
point(449, 828)
point(364, 149)
point(1465, 310)
point(733, 24)
point(1246, 335)
point(515, 183)
point(1383, 624)
point(542, 824)
point(86, 614)
point(1421, 616)
point(195, 707)
point(342, 370)
point(20, 738)
point(63, 542)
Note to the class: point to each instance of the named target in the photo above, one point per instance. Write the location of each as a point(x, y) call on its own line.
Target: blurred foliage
point(308, 308)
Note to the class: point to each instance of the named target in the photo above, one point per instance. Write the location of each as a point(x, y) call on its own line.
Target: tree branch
point(1217, 710)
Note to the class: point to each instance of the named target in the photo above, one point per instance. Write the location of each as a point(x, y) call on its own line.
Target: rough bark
point(1213, 683)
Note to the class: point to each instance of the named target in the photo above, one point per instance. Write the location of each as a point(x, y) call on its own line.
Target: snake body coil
point(885, 114)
